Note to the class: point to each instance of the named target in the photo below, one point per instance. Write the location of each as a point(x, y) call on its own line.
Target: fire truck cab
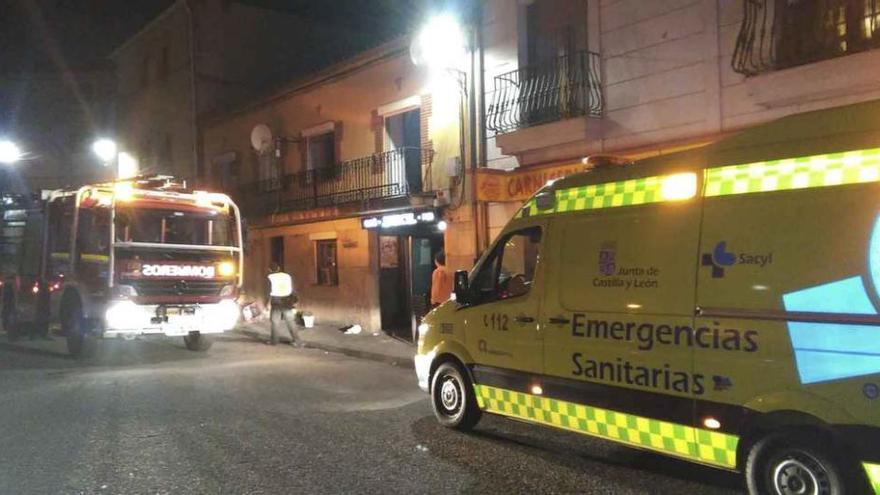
point(128, 258)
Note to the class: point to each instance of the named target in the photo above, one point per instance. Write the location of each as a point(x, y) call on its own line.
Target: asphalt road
point(151, 417)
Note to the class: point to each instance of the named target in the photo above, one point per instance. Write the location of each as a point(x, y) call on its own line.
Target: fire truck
point(145, 256)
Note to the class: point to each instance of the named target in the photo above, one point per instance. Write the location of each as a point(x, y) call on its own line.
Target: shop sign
point(398, 220)
point(520, 184)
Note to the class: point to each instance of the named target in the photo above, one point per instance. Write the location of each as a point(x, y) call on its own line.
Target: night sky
point(45, 35)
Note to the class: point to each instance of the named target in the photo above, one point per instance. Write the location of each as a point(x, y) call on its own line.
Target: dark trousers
point(279, 314)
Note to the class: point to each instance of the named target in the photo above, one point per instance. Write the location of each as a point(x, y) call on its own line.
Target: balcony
point(777, 35)
point(388, 175)
point(568, 87)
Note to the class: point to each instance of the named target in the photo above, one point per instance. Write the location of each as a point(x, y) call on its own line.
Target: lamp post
point(446, 45)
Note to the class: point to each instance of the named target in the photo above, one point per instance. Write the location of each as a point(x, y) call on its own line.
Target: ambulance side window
point(510, 270)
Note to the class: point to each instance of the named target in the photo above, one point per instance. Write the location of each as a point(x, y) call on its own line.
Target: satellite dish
point(261, 138)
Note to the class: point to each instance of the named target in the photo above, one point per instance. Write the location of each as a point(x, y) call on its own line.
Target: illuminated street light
point(9, 152)
point(126, 166)
point(105, 149)
point(440, 44)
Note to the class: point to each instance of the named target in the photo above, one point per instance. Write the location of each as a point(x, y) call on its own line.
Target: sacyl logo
point(720, 258)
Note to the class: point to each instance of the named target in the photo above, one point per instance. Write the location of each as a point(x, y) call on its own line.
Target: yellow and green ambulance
point(719, 305)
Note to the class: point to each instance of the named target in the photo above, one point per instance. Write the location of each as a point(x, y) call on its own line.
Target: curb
point(372, 356)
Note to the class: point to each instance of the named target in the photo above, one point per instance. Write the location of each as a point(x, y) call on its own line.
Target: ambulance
point(720, 305)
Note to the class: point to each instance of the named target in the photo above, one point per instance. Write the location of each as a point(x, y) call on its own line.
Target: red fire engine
point(128, 258)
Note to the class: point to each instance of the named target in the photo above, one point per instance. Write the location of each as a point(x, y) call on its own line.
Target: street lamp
point(440, 44)
point(9, 152)
point(105, 149)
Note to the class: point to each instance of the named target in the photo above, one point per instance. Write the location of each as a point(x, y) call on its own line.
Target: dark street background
point(150, 417)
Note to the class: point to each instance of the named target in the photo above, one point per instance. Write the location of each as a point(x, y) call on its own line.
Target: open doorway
point(406, 262)
point(403, 134)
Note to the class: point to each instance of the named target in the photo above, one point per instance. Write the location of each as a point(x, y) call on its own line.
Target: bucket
point(309, 321)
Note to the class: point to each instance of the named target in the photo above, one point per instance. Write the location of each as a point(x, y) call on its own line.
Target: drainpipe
point(482, 117)
point(194, 100)
point(472, 132)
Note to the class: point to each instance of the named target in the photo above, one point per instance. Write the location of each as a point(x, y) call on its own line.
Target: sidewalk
point(365, 345)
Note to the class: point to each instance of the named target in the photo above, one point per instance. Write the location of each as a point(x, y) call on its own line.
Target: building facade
point(202, 57)
point(567, 79)
point(352, 180)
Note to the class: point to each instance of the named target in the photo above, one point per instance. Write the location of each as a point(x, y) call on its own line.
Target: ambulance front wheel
point(796, 464)
point(453, 399)
point(197, 342)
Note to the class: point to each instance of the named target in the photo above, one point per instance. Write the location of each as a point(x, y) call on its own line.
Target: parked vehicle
point(128, 258)
point(718, 305)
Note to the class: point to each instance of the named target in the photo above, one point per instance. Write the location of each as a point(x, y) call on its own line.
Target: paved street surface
point(151, 417)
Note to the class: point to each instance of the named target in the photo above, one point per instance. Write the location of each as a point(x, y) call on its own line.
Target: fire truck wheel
point(81, 343)
point(195, 341)
point(10, 322)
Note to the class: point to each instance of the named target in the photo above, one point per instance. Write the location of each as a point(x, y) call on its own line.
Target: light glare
point(679, 186)
point(105, 149)
point(9, 152)
point(440, 44)
point(127, 166)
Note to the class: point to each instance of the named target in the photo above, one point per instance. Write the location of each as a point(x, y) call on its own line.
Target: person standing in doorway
point(282, 299)
point(441, 281)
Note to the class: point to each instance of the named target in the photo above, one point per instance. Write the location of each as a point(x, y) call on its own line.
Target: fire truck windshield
point(170, 226)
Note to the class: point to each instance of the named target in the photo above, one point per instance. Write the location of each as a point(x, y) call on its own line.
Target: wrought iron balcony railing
point(391, 174)
point(568, 87)
point(777, 34)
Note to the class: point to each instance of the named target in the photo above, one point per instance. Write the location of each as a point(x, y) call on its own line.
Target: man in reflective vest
point(282, 298)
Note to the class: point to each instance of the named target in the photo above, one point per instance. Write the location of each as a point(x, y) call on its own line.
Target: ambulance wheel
point(195, 341)
point(81, 343)
point(792, 465)
point(453, 399)
point(10, 322)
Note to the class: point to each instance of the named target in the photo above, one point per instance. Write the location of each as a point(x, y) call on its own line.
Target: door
point(403, 136)
point(393, 294)
point(619, 319)
point(502, 321)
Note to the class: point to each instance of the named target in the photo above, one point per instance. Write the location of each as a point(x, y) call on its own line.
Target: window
point(778, 34)
point(321, 151)
point(199, 228)
point(327, 273)
point(276, 247)
point(93, 232)
point(510, 269)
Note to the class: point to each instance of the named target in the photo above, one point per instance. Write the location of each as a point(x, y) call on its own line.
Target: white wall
point(667, 78)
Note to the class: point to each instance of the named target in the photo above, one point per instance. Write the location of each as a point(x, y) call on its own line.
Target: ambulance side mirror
point(462, 289)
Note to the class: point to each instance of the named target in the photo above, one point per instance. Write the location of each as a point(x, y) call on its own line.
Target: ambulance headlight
point(119, 314)
point(422, 331)
point(227, 291)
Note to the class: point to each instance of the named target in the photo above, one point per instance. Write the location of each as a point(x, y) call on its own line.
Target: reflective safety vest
point(281, 284)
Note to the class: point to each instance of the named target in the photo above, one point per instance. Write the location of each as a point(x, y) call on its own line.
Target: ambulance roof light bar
point(602, 161)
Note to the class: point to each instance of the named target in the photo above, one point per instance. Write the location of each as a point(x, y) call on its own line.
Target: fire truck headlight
point(124, 291)
point(227, 291)
point(226, 269)
point(119, 314)
point(225, 315)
